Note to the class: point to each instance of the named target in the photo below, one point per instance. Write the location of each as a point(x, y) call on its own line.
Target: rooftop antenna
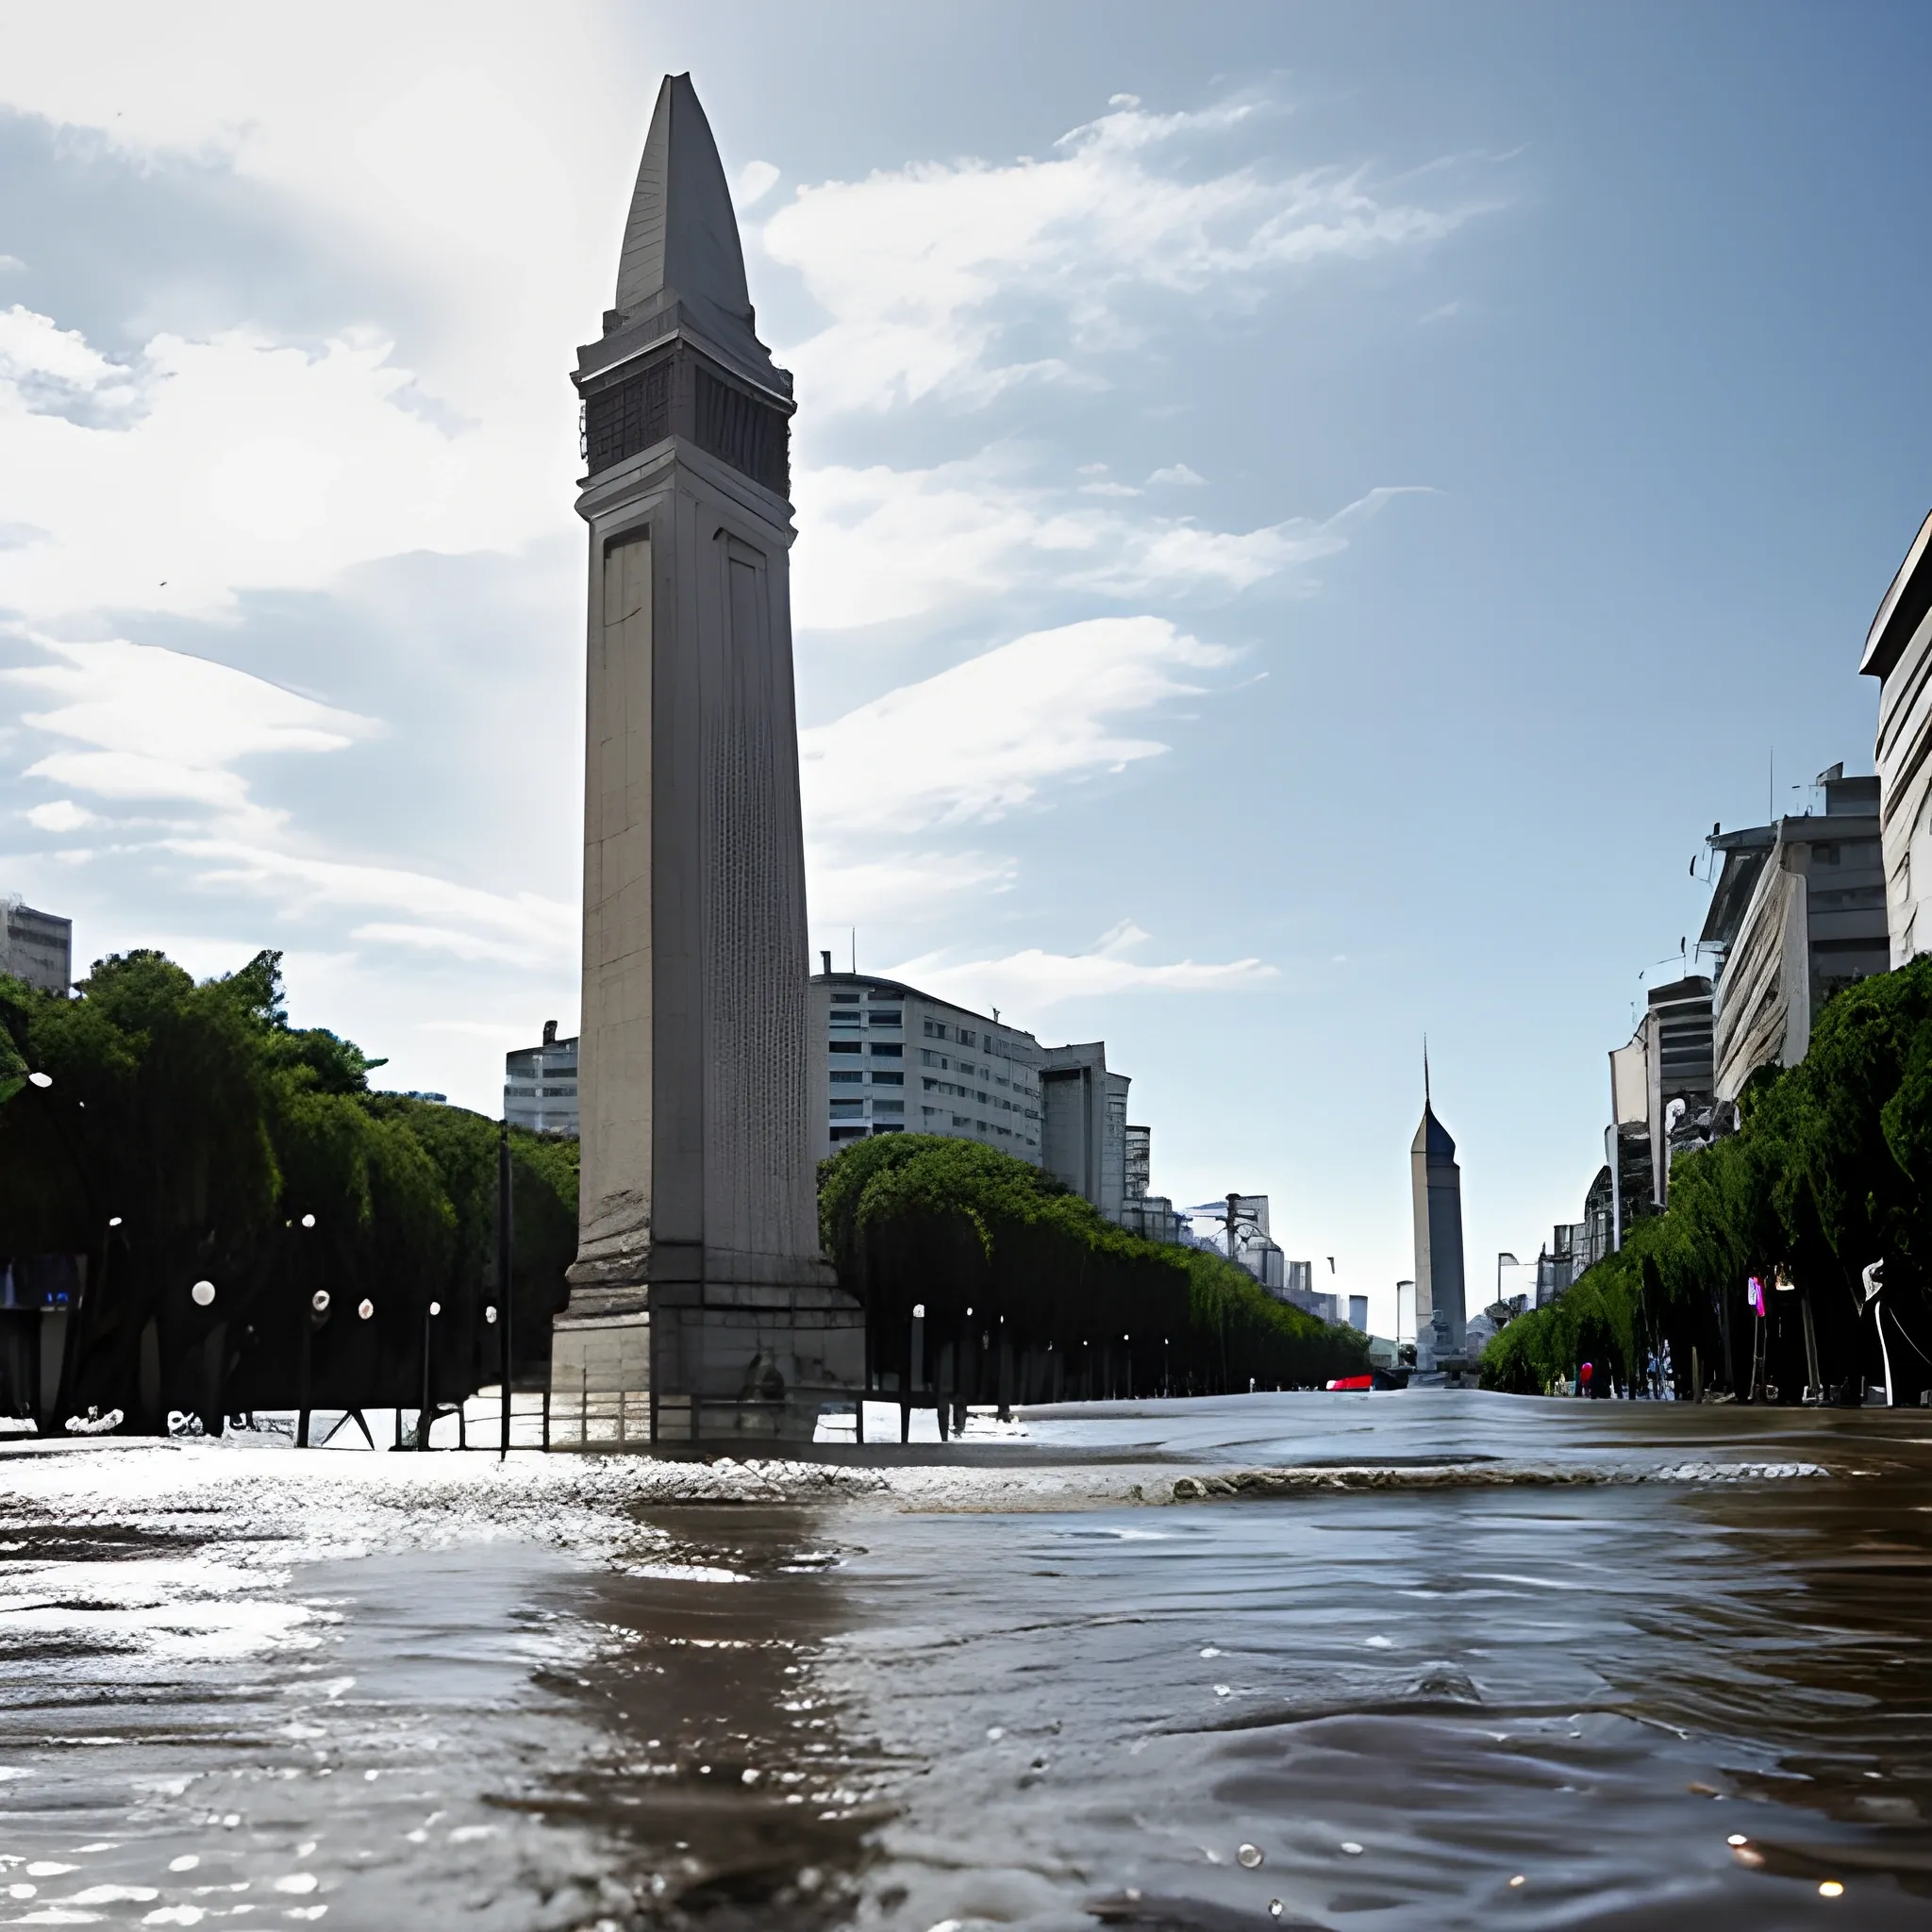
point(1425, 1072)
point(854, 952)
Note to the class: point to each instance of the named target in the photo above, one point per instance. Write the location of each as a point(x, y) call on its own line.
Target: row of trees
point(1013, 1275)
point(1830, 1170)
point(176, 1134)
point(220, 1171)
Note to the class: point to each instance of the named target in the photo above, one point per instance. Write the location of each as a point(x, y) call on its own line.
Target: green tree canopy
point(1827, 1173)
point(190, 1133)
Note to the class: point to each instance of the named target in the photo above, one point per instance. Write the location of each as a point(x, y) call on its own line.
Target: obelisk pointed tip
point(681, 240)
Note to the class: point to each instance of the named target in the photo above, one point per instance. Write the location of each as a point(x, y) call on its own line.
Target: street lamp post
point(504, 1302)
point(423, 1415)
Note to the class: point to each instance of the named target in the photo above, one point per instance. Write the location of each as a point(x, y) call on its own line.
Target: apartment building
point(1798, 912)
point(37, 947)
point(539, 1085)
point(887, 1058)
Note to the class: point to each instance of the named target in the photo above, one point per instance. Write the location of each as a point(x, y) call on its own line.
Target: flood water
point(1701, 1701)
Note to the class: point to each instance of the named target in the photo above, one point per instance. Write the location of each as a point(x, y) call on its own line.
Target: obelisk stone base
point(682, 1363)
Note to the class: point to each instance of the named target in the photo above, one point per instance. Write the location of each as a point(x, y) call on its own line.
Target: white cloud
point(158, 723)
point(896, 887)
point(880, 544)
point(1033, 979)
point(1177, 472)
point(213, 467)
point(923, 270)
point(983, 739)
point(62, 815)
point(755, 180)
point(442, 914)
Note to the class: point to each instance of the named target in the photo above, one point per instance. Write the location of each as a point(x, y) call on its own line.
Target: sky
point(1306, 516)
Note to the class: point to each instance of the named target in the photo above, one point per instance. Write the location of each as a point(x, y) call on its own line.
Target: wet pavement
point(1701, 1700)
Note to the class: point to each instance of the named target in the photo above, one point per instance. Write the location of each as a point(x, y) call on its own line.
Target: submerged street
point(1469, 1688)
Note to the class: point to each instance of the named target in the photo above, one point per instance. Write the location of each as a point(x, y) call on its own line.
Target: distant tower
point(1437, 1190)
point(699, 1305)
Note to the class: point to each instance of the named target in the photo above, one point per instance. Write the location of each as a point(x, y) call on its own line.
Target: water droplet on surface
point(1831, 1889)
point(1250, 1855)
point(994, 1733)
point(1518, 1879)
point(1210, 1651)
point(1223, 1690)
point(185, 1862)
point(1349, 1845)
point(1378, 1643)
point(1275, 1908)
point(1737, 1838)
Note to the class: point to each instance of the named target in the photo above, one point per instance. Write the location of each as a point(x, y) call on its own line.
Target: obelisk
point(700, 1306)
point(1435, 1191)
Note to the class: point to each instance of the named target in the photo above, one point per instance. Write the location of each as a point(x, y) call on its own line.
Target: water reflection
point(1700, 1702)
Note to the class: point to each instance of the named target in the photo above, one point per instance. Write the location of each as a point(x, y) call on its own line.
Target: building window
point(967, 1038)
point(844, 999)
point(848, 1110)
point(929, 1058)
point(849, 1023)
point(880, 1051)
point(846, 1046)
point(879, 1106)
point(848, 1134)
point(841, 1078)
point(934, 1029)
point(887, 1016)
point(890, 1128)
point(959, 1120)
point(881, 1079)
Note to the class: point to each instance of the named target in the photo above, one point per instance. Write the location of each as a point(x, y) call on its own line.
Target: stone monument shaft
point(699, 1304)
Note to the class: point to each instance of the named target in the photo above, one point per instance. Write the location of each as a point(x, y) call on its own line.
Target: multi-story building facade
point(887, 1058)
point(37, 947)
point(1662, 1087)
point(1084, 1122)
point(1799, 912)
point(1898, 651)
point(539, 1085)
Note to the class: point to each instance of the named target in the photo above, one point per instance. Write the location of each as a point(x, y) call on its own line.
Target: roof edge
point(1902, 609)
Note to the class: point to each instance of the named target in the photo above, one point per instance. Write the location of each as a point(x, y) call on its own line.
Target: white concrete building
point(37, 947)
point(1799, 912)
point(887, 1058)
point(1898, 651)
point(539, 1085)
point(1083, 1117)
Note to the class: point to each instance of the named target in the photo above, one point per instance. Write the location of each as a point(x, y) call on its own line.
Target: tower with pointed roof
point(1436, 1187)
point(700, 1306)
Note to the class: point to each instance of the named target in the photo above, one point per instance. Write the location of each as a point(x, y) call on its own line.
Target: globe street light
point(202, 1294)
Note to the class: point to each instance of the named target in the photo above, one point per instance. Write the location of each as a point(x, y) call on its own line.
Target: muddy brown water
point(1696, 1702)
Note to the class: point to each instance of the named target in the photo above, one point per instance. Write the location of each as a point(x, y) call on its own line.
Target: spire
point(1432, 1139)
point(680, 242)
